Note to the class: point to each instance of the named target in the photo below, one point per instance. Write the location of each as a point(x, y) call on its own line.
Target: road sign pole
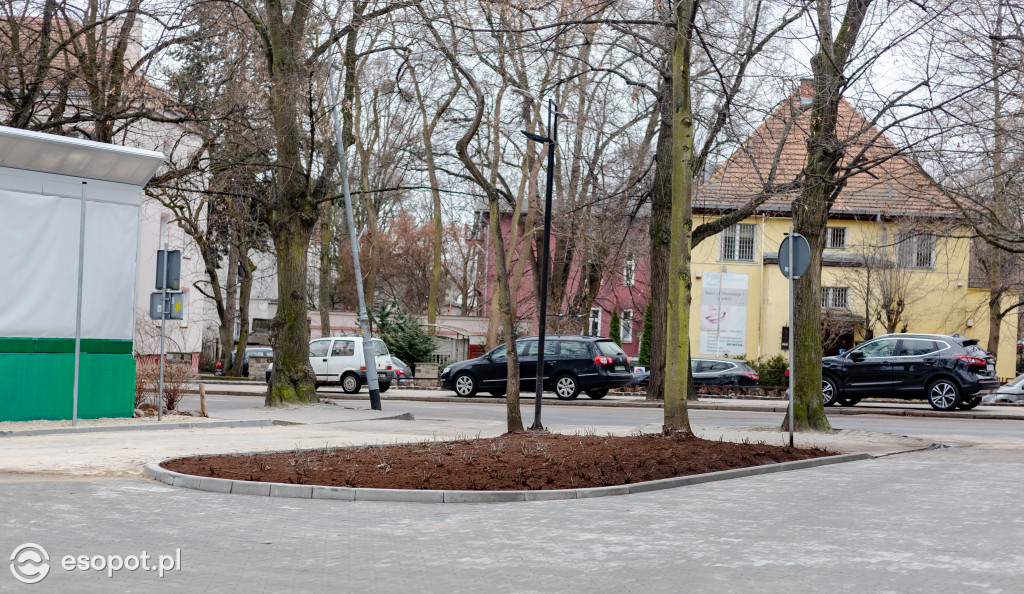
point(792, 335)
point(163, 323)
point(369, 354)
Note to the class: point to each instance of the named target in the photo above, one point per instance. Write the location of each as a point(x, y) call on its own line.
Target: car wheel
point(316, 385)
point(384, 386)
point(465, 385)
point(350, 383)
point(944, 395)
point(497, 393)
point(849, 401)
point(567, 387)
point(829, 391)
point(969, 404)
point(597, 394)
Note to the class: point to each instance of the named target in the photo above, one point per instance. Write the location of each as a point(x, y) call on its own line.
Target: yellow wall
point(939, 299)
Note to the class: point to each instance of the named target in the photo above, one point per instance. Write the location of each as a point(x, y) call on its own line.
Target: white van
point(339, 360)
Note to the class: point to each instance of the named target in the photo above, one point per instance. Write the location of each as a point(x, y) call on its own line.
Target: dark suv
point(949, 371)
point(571, 364)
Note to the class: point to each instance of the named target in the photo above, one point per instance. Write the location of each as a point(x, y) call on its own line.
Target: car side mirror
point(857, 355)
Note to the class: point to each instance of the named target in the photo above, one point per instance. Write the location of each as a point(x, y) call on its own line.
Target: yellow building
point(896, 259)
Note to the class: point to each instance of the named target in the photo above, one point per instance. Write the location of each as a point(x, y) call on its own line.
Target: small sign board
point(173, 270)
point(801, 256)
point(175, 306)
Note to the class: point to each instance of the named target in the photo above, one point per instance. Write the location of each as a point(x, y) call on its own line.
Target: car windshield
point(1016, 381)
point(379, 348)
point(976, 351)
point(878, 348)
point(608, 347)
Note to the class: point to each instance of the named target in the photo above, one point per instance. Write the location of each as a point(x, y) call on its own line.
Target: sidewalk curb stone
point(156, 471)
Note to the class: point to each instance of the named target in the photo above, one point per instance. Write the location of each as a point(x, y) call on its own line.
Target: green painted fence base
point(39, 385)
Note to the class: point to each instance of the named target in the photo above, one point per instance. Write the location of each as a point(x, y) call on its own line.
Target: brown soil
point(521, 461)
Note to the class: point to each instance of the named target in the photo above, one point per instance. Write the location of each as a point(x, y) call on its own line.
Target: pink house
point(624, 287)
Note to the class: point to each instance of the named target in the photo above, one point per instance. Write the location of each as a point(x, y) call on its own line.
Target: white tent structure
point(69, 233)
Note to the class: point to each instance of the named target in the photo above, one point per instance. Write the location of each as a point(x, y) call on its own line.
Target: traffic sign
point(801, 255)
point(173, 269)
point(174, 305)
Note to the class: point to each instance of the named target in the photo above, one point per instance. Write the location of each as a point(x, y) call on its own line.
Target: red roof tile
point(892, 185)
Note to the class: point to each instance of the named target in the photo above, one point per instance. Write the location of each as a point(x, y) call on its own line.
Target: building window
point(785, 338)
point(629, 272)
point(916, 250)
point(594, 325)
point(835, 238)
point(626, 326)
point(835, 297)
point(737, 242)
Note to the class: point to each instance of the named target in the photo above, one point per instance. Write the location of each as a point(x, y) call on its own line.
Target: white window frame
point(830, 235)
point(629, 272)
point(594, 321)
point(626, 326)
point(829, 298)
point(734, 234)
point(911, 251)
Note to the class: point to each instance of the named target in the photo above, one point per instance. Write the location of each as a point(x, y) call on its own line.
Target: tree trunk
point(244, 295)
point(232, 364)
point(514, 417)
point(292, 378)
point(677, 353)
point(810, 209)
point(660, 232)
point(435, 276)
point(326, 245)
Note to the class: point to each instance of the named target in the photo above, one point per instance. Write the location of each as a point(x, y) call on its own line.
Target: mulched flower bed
point(516, 461)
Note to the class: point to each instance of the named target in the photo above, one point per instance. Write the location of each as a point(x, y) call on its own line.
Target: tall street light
point(552, 141)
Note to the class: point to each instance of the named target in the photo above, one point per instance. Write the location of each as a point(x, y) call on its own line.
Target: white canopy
point(35, 151)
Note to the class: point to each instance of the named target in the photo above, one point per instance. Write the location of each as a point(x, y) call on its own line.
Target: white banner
point(39, 267)
point(723, 314)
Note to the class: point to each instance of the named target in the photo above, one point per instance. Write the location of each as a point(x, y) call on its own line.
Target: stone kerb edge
point(216, 485)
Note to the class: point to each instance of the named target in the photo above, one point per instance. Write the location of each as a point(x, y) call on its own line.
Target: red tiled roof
point(892, 186)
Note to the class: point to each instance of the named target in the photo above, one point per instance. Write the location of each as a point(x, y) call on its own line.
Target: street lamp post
point(551, 140)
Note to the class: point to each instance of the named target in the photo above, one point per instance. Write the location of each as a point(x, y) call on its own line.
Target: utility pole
point(364, 321)
point(552, 141)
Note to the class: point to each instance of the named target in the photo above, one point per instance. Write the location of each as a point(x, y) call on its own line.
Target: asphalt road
point(598, 416)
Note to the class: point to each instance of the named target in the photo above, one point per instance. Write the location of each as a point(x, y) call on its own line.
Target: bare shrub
point(146, 377)
point(177, 377)
point(176, 381)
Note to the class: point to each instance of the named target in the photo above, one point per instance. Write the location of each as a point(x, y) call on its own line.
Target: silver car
point(1012, 392)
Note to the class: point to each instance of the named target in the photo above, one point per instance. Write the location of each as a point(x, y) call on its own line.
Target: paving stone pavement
point(933, 521)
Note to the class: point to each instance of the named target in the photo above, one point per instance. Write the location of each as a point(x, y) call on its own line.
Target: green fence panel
point(38, 385)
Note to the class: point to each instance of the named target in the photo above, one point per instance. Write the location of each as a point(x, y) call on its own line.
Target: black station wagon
point(571, 364)
point(949, 371)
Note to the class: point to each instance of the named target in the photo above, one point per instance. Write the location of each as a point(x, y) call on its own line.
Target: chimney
point(806, 91)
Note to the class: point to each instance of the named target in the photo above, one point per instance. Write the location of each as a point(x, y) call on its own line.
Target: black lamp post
point(551, 140)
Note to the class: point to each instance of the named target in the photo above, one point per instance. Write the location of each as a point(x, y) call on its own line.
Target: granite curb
point(146, 427)
point(231, 424)
point(176, 479)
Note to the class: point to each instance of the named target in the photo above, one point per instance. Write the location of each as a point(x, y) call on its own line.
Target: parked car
point(402, 371)
point(254, 352)
point(949, 371)
point(572, 364)
point(1012, 392)
point(709, 371)
point(340, 361)
point(641, 377)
